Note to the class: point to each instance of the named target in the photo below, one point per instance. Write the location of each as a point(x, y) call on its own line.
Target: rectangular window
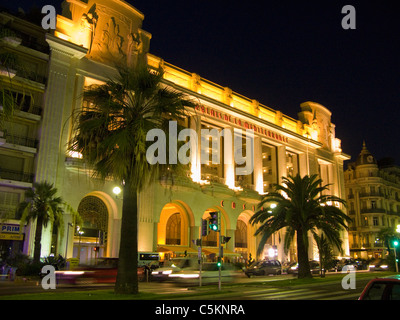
point(269, 167)
point(212, 171)
point(292, 163)
point(244, 181)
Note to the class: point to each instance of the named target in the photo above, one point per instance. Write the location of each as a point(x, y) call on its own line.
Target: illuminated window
point(241, 235)
point(269, 167)
point(292, 164)
point(173, 234)
point(212, 171)
point(244, 181)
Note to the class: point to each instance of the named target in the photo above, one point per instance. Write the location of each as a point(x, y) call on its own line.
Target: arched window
point(241, 235)
point(94, 214)
point(173, 234)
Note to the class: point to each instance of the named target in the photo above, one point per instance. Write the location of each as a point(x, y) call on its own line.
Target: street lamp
point(80, 232)
point(117, 191)
point(396, 244)
point(66, 246)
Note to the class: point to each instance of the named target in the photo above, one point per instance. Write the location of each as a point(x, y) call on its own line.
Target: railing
point(173, 241)
point(15, 175)
point(21, 141)
point(209, 243)
point(371, 194)
point(240, 244)
point(37, 110)
point(373, 210)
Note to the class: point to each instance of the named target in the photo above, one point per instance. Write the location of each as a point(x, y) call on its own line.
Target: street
point(282, 287)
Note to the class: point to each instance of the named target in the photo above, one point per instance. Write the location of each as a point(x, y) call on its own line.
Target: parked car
point(103, 272)
point(264, 267)
point(382, 289)
point(379, 265)
point(358, 264)
point(173, 266)
point(314, 267)
point(209, 274)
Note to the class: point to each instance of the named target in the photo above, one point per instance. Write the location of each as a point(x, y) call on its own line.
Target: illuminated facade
point(373, 202)
point(89, 36)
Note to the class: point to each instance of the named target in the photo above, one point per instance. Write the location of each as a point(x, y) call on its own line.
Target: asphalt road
point(255, 288)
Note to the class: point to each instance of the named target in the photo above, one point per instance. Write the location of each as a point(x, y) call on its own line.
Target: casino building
point(90, 35)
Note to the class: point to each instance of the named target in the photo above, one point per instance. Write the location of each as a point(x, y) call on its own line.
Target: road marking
point(354, 295)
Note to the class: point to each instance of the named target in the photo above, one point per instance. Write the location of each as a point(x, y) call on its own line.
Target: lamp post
point(80, 232)
point(116, 191)
point(395, 244)
point(66, 246)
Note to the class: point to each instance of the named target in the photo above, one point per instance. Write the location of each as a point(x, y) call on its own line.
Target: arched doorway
point(90, 241)
point(174, 231)
point(245, 241)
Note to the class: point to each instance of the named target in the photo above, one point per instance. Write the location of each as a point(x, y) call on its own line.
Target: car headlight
point(293, 268)
point(372, 266)
point(167, 272)
point(384, 266)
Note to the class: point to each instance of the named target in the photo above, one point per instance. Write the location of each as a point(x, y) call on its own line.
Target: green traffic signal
point(395, 243)
point(213, 227)
point(214, 221)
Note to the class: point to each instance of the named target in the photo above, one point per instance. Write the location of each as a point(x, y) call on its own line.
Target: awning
point(177, 249)
point(214, 250)
point(210, 250)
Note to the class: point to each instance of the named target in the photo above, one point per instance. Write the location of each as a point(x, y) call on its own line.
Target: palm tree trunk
point(38, 239)
point(302, 256)
point(127, 280)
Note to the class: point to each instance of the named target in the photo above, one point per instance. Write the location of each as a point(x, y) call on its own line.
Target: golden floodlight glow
point(117, 190)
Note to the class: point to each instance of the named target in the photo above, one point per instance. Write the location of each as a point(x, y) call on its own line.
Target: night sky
point(284, 53)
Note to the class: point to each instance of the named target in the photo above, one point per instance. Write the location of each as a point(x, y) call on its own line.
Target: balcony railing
point(15, 175)
point(240, 244)
point(371, 194)
point(37, 110)
point(373, 210)
point(21, 141)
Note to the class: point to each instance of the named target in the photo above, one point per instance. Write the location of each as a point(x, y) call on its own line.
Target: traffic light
point(214, 221)
point(396, 243)
point(204, 227)
point(219, 263)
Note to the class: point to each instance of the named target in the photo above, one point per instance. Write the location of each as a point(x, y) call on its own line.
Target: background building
point(373, 202)
point(24, 56)
point(88, 38)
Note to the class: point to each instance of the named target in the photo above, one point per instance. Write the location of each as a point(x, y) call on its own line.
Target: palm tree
point(7, 101)
point(325, 253)
point(42, 205)
point(111, 136)
point(300, 206)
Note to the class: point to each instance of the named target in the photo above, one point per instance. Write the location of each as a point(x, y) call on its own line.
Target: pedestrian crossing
point(298, 294)
point(257, 293)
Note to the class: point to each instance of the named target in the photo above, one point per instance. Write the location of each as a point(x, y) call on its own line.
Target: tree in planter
point(43, 206)
point(111, 136)
point(301, 207)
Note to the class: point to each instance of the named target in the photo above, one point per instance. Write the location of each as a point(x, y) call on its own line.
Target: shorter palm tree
point(301, 207)
point(326, 257)
point(42, 204)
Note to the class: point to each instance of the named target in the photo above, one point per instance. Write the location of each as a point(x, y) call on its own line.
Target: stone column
point(56, 110)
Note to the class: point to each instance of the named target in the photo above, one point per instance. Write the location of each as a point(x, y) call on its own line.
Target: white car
point(209, 274)
point(173, 266)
